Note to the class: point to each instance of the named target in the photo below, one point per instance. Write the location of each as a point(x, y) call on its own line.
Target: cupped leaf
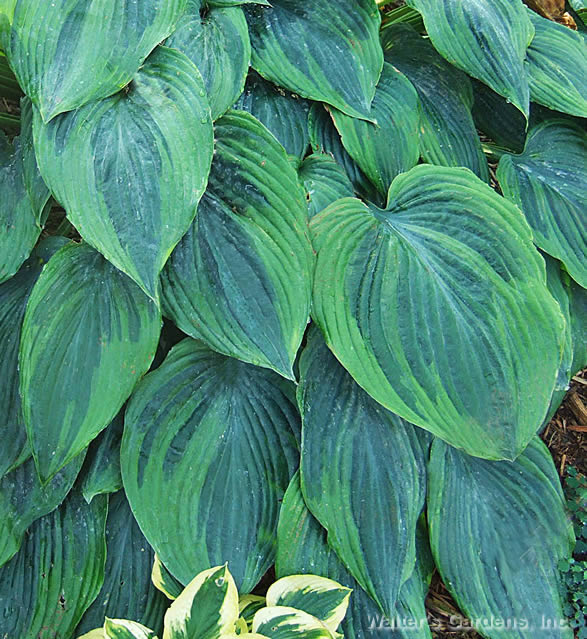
point(283, 622)
point(363, 474)
point(302, 547)
point(125, 629)
point(557, 67)
point(241, 278)
point(14, 295)
point(248, 606)
point(411, 297)
point(283, 113)
point(209, 447)
point(23, 500)
point(130, 169)
point(47, 586)
point(164, 581)
point(324, 138)
point(447, 132)
point(324, 180)
point(218, 44)
point(65, 54)
point(89, 333)
point(101, 474)
point(323, 598)
point(389, 145)
point(548, 182)
point(207, 608)
point(321, 49)
point(127, 592)
point(487, 40)
point(508, 522)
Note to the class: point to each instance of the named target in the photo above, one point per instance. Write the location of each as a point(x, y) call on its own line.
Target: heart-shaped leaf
point(363, 474)
point(324, 180)
point(447, 131)
point(411, 297)
point(321, 49)
point(548, 182)
point(47, 586)
point(218, 44)
point(241, 278)
point(389, 145)
point(65, 54)
point(89, 333)
point(225, 429)
point(487, 40)
point(130, 170)
point(508, 522)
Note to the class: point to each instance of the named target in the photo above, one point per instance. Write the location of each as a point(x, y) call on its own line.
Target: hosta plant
point(293, 285)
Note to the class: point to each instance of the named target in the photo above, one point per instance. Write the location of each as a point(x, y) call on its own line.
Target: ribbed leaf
point(23, 500)
point(46, 587)
point(283, 113)
point(487, 40)
point(127, 592)
point(101, 473)
point(283, 622)
point(323, 598)
point(324, 138)
point(389, 145)
point(89, 333)
point(363, 474)
point(208, 450)
point(207, 608)
point(131, 169)
point(548, 182)
point(164, 581)
point(302, 548)
point(125, 629)
point(65, 54)
point(14, 295)
point(24, 196)
point(508, 522)
point(321, 49)
point(412, 296)
point(447, 131)
point(557, 67)
point(234, 3)
point(218, 44)
point(324, 180)
point(241, 278)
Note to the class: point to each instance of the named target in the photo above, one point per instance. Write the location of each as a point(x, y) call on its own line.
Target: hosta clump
point(264, 301)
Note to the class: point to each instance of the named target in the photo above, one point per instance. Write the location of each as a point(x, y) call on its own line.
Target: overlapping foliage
point(264, 301)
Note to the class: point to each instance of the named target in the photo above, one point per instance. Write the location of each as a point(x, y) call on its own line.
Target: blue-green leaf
point(324, 180)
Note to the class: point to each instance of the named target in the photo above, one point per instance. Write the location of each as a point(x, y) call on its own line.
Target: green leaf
point(164, 581)
point(548, 182)
point(302, 548)
point(127, 592)
point(283, 113)
point(320, 597)
point(321, 49)
point(324, 180)
point(207, 608)
point(389, 145)
point(226, 430)
point(101, 474)
point(362, 472)
point(89, 333)
point(97, 633)
point(46, 587)
point(557, 67)
point(65, 55)
point(124, 629)
point(241, 278)
point(410, 297)
point(24, 196)
point(218, 44)
point(234, 3)
point(130, 170)
point(23, 500)
point(487, 40)
point(14, 295)
point(283, 622)
point(447, 131)
point(508, 522)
